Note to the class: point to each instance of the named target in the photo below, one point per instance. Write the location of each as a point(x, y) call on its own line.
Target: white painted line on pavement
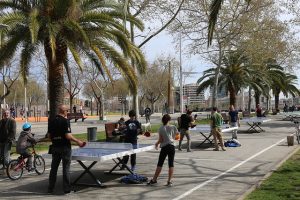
point(229, 170)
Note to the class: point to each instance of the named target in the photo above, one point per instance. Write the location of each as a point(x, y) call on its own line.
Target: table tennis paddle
point(83, 144)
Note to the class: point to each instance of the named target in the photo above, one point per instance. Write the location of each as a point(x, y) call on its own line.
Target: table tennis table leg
point(252, 128)
point(257, 125)
point(206, 139)
point(87, 171)
point(120, 163)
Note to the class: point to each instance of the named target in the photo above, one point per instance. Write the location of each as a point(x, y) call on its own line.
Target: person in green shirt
point(216, 122)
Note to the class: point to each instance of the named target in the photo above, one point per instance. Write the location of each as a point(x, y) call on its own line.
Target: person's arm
point(70, 137)
point(160, 140)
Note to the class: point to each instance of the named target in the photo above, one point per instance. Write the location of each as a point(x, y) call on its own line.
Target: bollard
point(92, 134)
point(290, 140)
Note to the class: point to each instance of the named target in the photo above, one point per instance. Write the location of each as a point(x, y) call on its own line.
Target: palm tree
point(287, 85)
point(90, 28)
point(234, 76)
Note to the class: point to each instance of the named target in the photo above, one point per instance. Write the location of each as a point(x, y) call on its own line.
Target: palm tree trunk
point(250, 99)
point(276, 102)
point(56, 75)
point(232, 98)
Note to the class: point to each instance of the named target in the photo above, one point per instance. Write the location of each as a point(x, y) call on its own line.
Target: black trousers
point(58, 154)
point(132, 156)
point(165, 151)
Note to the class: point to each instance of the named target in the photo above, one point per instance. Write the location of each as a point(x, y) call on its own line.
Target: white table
point(291, 116)
point(255, 123)
point(205, 131)
point(103, 151)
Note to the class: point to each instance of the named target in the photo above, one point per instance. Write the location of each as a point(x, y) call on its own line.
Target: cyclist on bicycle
point(25, 141)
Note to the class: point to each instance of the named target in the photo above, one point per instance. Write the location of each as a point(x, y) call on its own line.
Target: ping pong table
point(205, 131)
point(103, 151)
point(255, 123)
point(291, 116)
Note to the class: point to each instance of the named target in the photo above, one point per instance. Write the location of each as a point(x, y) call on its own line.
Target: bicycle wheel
point(14, 169)
point(39, 164)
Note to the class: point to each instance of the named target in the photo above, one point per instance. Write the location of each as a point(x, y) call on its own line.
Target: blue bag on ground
point(133, 179)
point(232, 143)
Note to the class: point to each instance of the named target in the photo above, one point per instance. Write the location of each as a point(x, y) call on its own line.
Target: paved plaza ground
point(201, 174)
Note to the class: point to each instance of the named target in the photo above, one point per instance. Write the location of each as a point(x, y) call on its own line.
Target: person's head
point(189, 112)
point(214, 109)
point(165, 119)
point(257, 106)
point(132, 114)
point(122, 119)
point(62, 110)
point(6, 114)
point(231, 107)
point(26, 126)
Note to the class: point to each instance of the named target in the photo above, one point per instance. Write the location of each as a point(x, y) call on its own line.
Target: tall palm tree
point(234, 76)
point(286, 85)
point(90, 28)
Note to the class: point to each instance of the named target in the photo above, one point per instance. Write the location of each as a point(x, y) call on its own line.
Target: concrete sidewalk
point(201, 174)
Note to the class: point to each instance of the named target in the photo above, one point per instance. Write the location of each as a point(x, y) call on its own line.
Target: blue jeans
point(5, 153)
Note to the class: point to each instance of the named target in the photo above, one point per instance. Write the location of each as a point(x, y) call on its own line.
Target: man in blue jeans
point(234, 120)
point(59, 132)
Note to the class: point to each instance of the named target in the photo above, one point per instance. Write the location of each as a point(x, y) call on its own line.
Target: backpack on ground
point(133, 179)
point(232, 143)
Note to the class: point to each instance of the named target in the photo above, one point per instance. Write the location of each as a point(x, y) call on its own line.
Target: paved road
point(202, 174)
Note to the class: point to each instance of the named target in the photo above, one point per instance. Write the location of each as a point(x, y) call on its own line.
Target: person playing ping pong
point(133, 128)
point(166, 140)
point(59, 132)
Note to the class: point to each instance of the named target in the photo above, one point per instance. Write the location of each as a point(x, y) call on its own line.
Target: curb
point(257, 185)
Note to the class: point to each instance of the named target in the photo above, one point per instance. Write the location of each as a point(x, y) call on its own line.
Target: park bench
point(109, 129)
point(76, 116)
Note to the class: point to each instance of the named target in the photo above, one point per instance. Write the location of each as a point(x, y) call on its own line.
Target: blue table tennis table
point(103, 151)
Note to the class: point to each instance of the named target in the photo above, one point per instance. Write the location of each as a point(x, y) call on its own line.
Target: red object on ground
point(147, 134)
point(83, 144)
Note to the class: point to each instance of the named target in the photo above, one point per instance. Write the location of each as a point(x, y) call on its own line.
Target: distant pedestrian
point(258, 111)
point(216, 122)
point(7, 137)
point(147, 114)
point(166, 140)
point(74, 109)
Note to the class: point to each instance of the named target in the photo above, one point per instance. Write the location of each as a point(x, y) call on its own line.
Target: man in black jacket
point(7, 137)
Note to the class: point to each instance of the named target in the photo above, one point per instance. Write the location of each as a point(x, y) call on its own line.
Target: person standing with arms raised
point(234, 120)
point(59, 132)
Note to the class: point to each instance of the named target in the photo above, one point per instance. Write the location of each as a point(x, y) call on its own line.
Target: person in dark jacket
point(185, 122)
point(25, 141)
point(7, 137)
point(133, 128)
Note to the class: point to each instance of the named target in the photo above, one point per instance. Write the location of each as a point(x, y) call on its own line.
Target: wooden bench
point(109, 129)
point(76, 116)
point(225, 117)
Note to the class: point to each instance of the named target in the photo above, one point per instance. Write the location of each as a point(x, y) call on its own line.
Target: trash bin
point(92, 134)
point(290, 140)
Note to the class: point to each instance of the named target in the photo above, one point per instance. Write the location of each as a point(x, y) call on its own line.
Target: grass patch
point(283, 184)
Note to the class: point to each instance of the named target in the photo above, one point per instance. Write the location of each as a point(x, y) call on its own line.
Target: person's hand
point(156, 146)
point(239, 124)
point(81, 144)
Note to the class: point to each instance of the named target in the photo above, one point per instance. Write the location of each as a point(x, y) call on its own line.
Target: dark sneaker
point(50, 191)
point(169, 183)
point(179, 149)
point(189, 150)
point(215, 149)
point(151, 182)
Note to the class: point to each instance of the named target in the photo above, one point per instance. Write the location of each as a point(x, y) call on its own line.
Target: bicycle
point(16, 167)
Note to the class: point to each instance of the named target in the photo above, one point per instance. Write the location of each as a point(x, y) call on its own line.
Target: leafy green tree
point(90, 28)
